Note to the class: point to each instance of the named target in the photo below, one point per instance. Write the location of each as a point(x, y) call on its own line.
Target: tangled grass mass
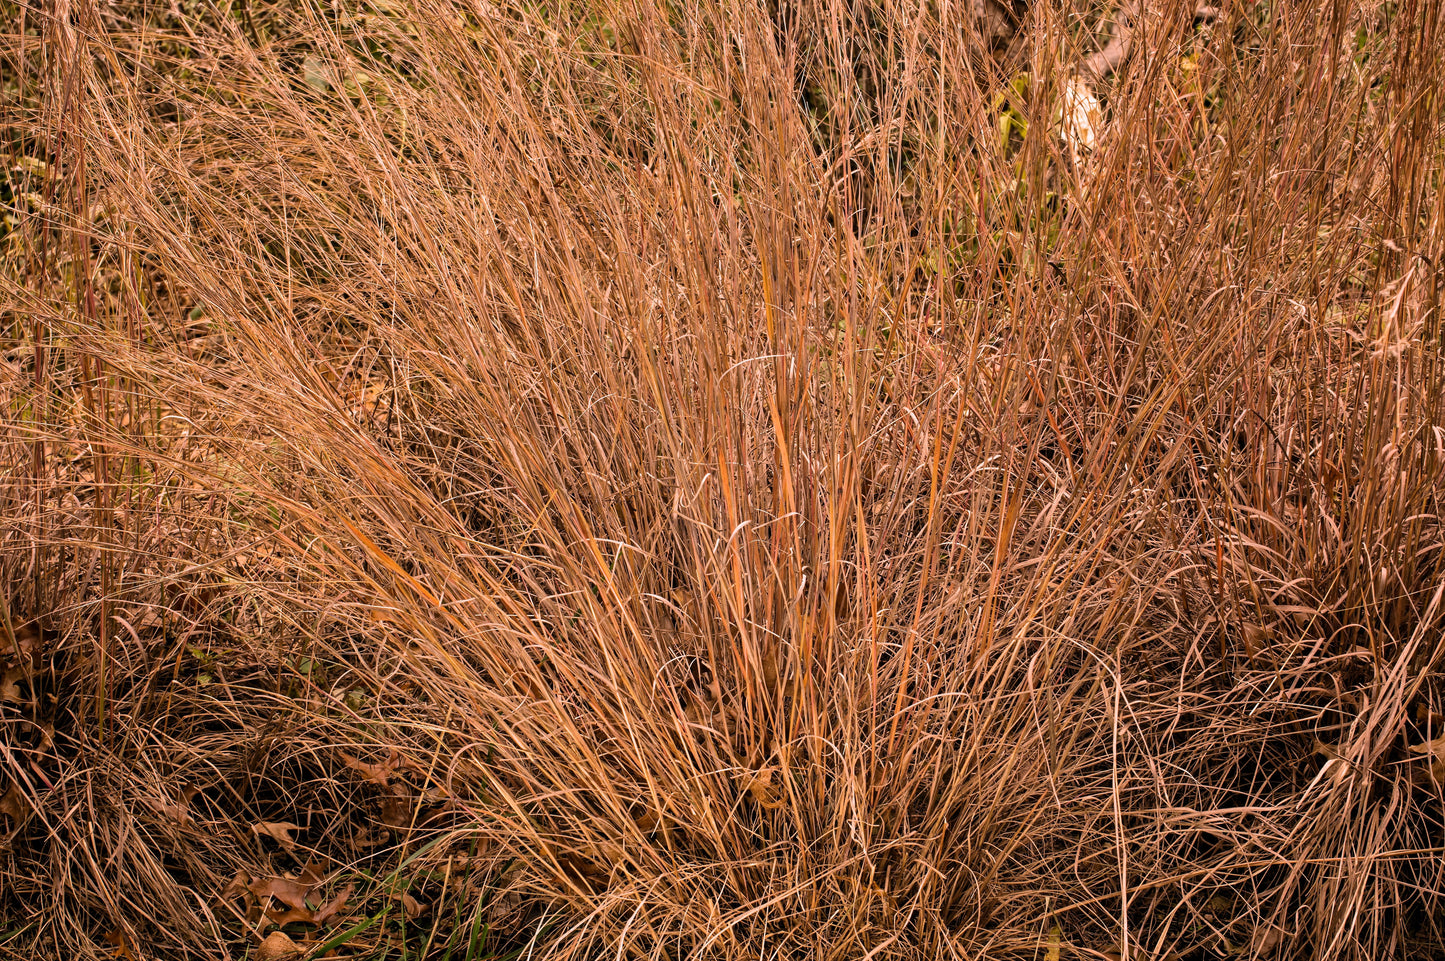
point(710, 480)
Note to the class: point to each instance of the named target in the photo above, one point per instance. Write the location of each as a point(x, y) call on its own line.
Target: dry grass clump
point(704, 481)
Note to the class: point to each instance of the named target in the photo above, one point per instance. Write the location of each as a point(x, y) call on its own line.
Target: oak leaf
point(179, 812)
point(396, 811)
point(289, 892)
point(290, 916)
point(1434, 752)
point(9, 689)
point(279, 831)
point(1435, 747)
point(313, 874)
point(759, 786)
point(15, 805)
point(119, 944)
point(378, 774)
point(238, 886)
point(335, 905)
point(365, 839)
point(413, 908)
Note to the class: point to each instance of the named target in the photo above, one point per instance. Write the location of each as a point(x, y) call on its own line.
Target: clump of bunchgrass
point(525, 476)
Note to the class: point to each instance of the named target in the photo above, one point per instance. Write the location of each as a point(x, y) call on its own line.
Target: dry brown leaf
point(335, 905)
point(591, 867)
point(413, 908)
point(313, 873)
point(119, 945)
point(176, 812)
point(1429, 777)
point(407, 764)
point(1435, 747)
point(379, 774)
point(15, 805)
point(649, 821)
point(1265, 939)
point(1434, 752)
point(47, 737)
point(9, 688)
point(1257, 639)
point(367, 840)
point(697, 712)
point(725, 719)
point(179, 812)
point(279, 831)
point(582, 870)
point(239, 885)
point(290, 916)
point(285, 890)
point(396, 811)
point(28, 639)
point(759, 785)
point(396, 619)
point(770, 667)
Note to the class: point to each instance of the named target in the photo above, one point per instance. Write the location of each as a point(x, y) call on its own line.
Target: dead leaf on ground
point(15, 805)
point(10, 689)
point(413, 908)
point(290, 916)
point(438, 794)
point(27, 640)
point(119, 945)
point(285, 890)
point(593, 863)
point(176, 812)
point(378, 774)
point(727, 717)
point(759, 785)
point(647, 820)
point(279, 831)
point(313, 874)
point(365, 839)
point(394, 618)
point(239, 885)
point(180, 812)
point(582, 870)
point(697, 712)
point(1265, 939)
point(1435, 748)
point(240, 888)
point(1434, 752)
point(47, 736)
point(335, 905)
point(396, 811)
point(770, 667)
